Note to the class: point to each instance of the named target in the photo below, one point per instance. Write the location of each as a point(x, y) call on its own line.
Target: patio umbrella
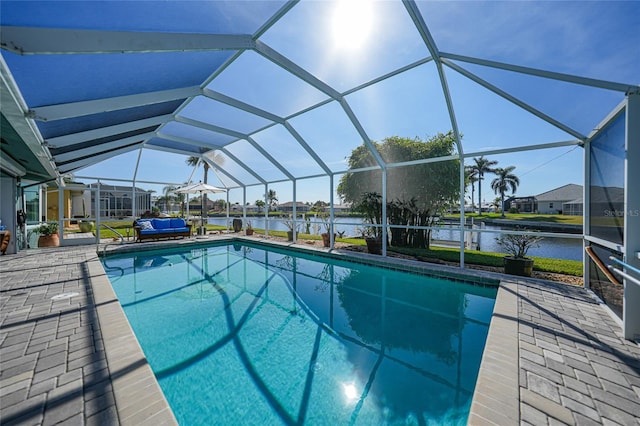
point(200, 188)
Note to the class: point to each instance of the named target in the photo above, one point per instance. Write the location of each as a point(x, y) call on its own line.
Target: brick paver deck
point(564, 353)
point(67, 354)
point(553, 356)
point(575, 367)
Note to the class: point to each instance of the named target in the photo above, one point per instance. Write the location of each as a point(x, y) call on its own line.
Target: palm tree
point(471, 178)
point(181, 198)
point(162, 201)
point(495, 203)
point(505, 181)
point(169, 196)
point(194, 160)
point(272, 198)
point(482, 166)
point(216, 158)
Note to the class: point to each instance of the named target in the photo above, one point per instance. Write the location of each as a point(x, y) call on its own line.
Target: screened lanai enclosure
point(110, 102)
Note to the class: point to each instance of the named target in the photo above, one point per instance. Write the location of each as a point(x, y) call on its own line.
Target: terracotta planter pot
point(49, 241)
point(374, 245)
point(249, 231)
point(518, 266)
point(326, 239)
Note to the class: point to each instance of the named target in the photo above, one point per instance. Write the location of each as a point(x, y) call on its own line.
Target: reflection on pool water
point(238, 334)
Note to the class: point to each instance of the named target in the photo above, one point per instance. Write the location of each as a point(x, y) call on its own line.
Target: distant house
point(551, 202)
point(117, 201)
point(288, 207)
point(573, 208)
point(340, 208)
point(607, 201)
point(522, 204)
point(196, 206)
point(251, 208)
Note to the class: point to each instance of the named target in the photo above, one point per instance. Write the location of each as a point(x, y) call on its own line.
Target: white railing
point(623, 273)
point(104, 250)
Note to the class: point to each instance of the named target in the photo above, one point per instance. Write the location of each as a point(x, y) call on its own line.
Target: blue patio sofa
point(161, 228)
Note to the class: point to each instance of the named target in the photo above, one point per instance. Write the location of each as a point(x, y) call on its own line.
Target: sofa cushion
point(181, 229)
point(145, 225)
point(151, 231)
point(177, 222)
point(161, 223)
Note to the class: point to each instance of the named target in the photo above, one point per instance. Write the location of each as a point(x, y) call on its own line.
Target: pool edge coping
point(496, 397)
point(132, 379)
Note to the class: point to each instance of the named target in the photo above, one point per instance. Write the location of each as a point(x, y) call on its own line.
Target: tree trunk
point(480, 194)
point(473, 194)
point(204, 211)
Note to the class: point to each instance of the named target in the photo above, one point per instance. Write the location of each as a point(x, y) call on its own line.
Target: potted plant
point(85, 225)
point(249, 230)
point(373, 240)
point(48, 235)
point(517, 246)
point(371, 206)
point(326, 236)
point(291, 224)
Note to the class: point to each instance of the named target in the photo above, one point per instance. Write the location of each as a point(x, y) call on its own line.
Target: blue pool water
point(238, 334)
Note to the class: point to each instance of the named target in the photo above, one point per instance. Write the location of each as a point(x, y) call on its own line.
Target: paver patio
point(553, 355)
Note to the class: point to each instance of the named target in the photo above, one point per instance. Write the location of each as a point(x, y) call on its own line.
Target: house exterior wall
point(288, 208)
point(8, 209)
point(52, 205)
point(551, 206)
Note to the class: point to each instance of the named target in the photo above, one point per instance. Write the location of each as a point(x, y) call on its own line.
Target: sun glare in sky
point(352, 23)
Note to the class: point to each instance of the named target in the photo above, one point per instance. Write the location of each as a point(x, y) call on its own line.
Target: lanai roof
point(266, 87)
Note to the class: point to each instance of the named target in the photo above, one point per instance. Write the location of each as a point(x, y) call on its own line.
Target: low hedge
point(484, 258)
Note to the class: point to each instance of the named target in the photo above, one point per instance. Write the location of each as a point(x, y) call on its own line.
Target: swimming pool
point(242, 334)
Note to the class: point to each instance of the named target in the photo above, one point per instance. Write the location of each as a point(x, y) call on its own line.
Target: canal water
point(553, 247)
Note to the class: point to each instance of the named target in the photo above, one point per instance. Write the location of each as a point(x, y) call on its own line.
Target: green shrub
point(47, 229)
point(483, 258)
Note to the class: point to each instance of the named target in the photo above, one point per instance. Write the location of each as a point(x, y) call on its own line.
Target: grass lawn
point(529, 217)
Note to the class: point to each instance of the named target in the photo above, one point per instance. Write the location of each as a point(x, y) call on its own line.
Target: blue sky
point(592, 39)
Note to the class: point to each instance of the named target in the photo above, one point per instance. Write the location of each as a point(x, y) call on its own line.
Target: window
point(607, 182)
point(550, 205)
point(610, 293)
